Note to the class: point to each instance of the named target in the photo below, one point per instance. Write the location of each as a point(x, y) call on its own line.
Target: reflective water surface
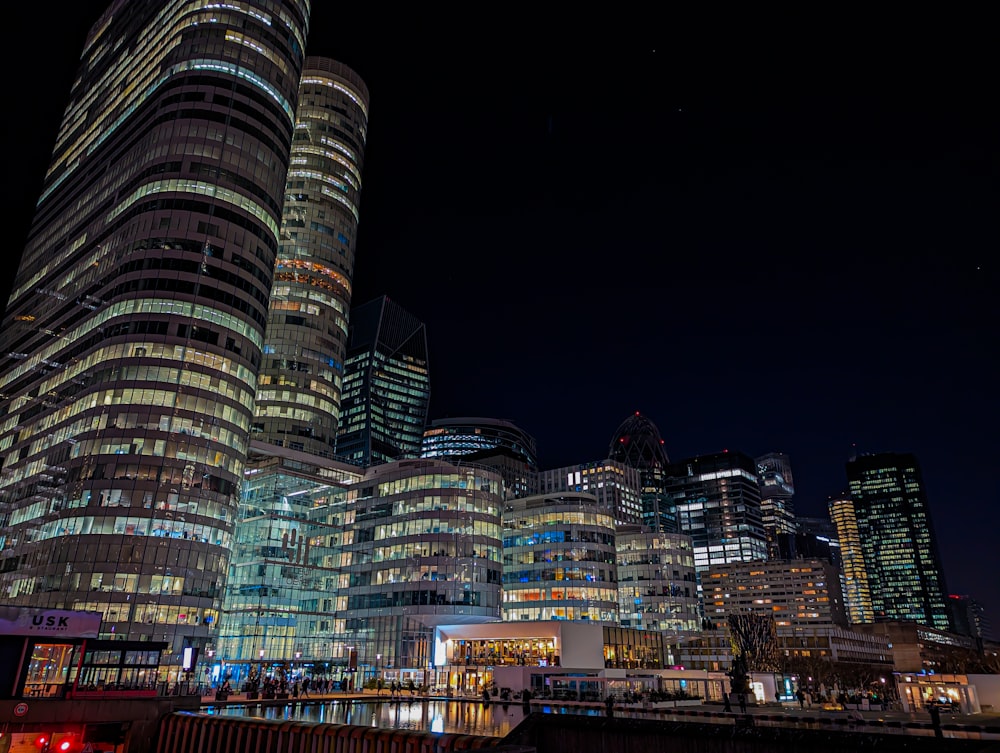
point(470, 718)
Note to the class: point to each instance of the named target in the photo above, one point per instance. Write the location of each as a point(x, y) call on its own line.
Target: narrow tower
point(298, 401)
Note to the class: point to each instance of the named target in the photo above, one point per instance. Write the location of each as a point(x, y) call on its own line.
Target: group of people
point(395, 687)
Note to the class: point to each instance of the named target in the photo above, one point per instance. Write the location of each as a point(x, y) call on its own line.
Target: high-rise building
point(387, 388)
point(969, 617)
point(617, 486)
point(494, 442)
point(134, 331)
point(777, 489)
point(657, 585)
point(301, 375)
point(717, 499)
point(854, 576)
point(339, 568)
point(637, 443)
point(559, 559)
point(897, 539)
point(421, 547)
point(465, 437)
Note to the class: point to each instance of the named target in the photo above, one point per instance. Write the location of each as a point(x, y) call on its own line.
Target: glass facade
point(617, 486)
point(337, 569)
point(559, 559)
point(459, 437)
point(717, 498)
point(777, 489)
point(897, 539)
point(637, 443)
point(134, 330)
point(657, 584)
point(386, 392)
point(857, 595)
point(301, 375)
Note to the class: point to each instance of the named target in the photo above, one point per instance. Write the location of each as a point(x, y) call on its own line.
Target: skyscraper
point(777, 488)
point(854, 576)
point(717, 499)
point(298, 400)
point(637, 443)
point(897, 539)
point(387, 390)
point(133, 334)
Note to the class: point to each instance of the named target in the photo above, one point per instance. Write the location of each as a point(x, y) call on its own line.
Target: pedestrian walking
point(726, 705)
point(743, 703)
point(935, 713)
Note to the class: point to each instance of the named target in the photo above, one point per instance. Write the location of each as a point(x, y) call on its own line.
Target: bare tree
point(754, 641)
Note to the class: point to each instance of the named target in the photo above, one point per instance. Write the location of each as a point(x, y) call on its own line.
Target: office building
point(284, 570)
point(616, 484)
point(657, 584)
point(717, 502)
point(339, 571)
point(794, 593)
point(897, 539)
point(969, 617)
point(854, 575)
point(559, 559)
point(637, 443)
point(777, 489)
point(495, 442)
point(463, 437)
point(421, 547)
point(387, 389)
point(134, 331)
point(301, 374)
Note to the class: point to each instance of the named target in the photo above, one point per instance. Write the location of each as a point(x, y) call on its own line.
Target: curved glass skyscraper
point(134, 331)
point(298, 403)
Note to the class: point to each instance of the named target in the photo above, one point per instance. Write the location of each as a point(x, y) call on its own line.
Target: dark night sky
point(763, 232)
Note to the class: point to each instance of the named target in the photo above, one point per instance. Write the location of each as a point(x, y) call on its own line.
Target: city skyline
point(844, 211)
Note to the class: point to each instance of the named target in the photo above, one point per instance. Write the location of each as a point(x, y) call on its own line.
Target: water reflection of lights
point(470, 717)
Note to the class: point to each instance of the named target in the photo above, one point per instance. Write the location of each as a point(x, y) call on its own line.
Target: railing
point(183, 732)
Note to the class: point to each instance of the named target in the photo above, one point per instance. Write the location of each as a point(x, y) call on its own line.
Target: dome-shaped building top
point(637, 442)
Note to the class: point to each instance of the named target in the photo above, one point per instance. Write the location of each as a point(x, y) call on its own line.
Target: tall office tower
point(717, 499)
point(298, 396)
point(617, 486)
point(637, 443)
point(387, 388)
point(134, 330)
point(897, 539)
point(777, 489)
point(493, 442)
point(657, 585)
point(854, 576)
point(968, 617)
point(559, 560)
